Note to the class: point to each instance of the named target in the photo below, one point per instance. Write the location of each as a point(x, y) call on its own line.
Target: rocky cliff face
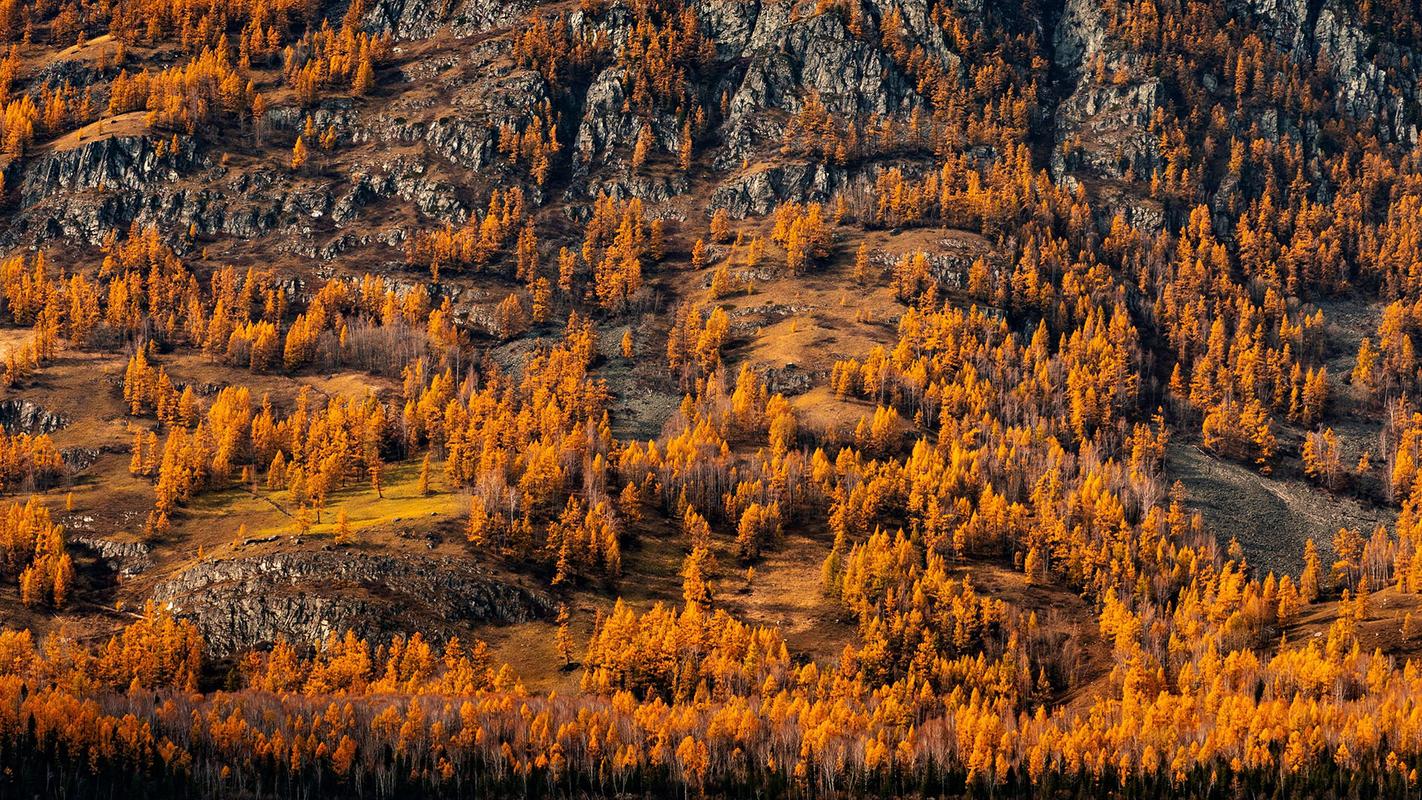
point(1329, 33)
point(419, 19)
point(431, 144)
point(788, 58)
point(1367, 91)
point(427, 151)
point(1102, 127)
point(82, 192)
point(305, 596)
point(25, 416)
point(81, 195)
point(1109, 96)
point(127, 559)
point(759, 191)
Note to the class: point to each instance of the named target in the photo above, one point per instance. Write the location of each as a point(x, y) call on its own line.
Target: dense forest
point(710, 397)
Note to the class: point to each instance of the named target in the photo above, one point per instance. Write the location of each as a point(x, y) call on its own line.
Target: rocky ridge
point(431, 142)
point(307, 595)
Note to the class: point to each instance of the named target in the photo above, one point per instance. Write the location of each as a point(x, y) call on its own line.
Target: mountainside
point(627, 397)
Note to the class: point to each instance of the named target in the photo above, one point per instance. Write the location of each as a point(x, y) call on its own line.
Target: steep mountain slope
point(637, 396)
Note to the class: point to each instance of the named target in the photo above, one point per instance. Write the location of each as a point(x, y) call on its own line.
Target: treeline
point(408, 716)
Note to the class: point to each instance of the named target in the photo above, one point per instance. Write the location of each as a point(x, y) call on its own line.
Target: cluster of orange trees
point(476, 243)
point(32, 551)
point(1017, 419)
point(692, 697)
point(28, 460)
point(224, 51)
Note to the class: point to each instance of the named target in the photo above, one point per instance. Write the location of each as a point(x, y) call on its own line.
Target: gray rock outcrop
point(304, 596)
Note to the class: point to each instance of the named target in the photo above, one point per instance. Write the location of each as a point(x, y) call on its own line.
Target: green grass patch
point(216, 516)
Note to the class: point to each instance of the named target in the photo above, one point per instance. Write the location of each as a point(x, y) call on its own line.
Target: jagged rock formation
point(759, 191)
point(127, 558)
point(84, 193)
point(304, 596)
point(788, 58)
point(431, 144)
point(1102, 123)
point(767, 62)
point(25, 416)
point(418, 19)
point(1102, 127)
